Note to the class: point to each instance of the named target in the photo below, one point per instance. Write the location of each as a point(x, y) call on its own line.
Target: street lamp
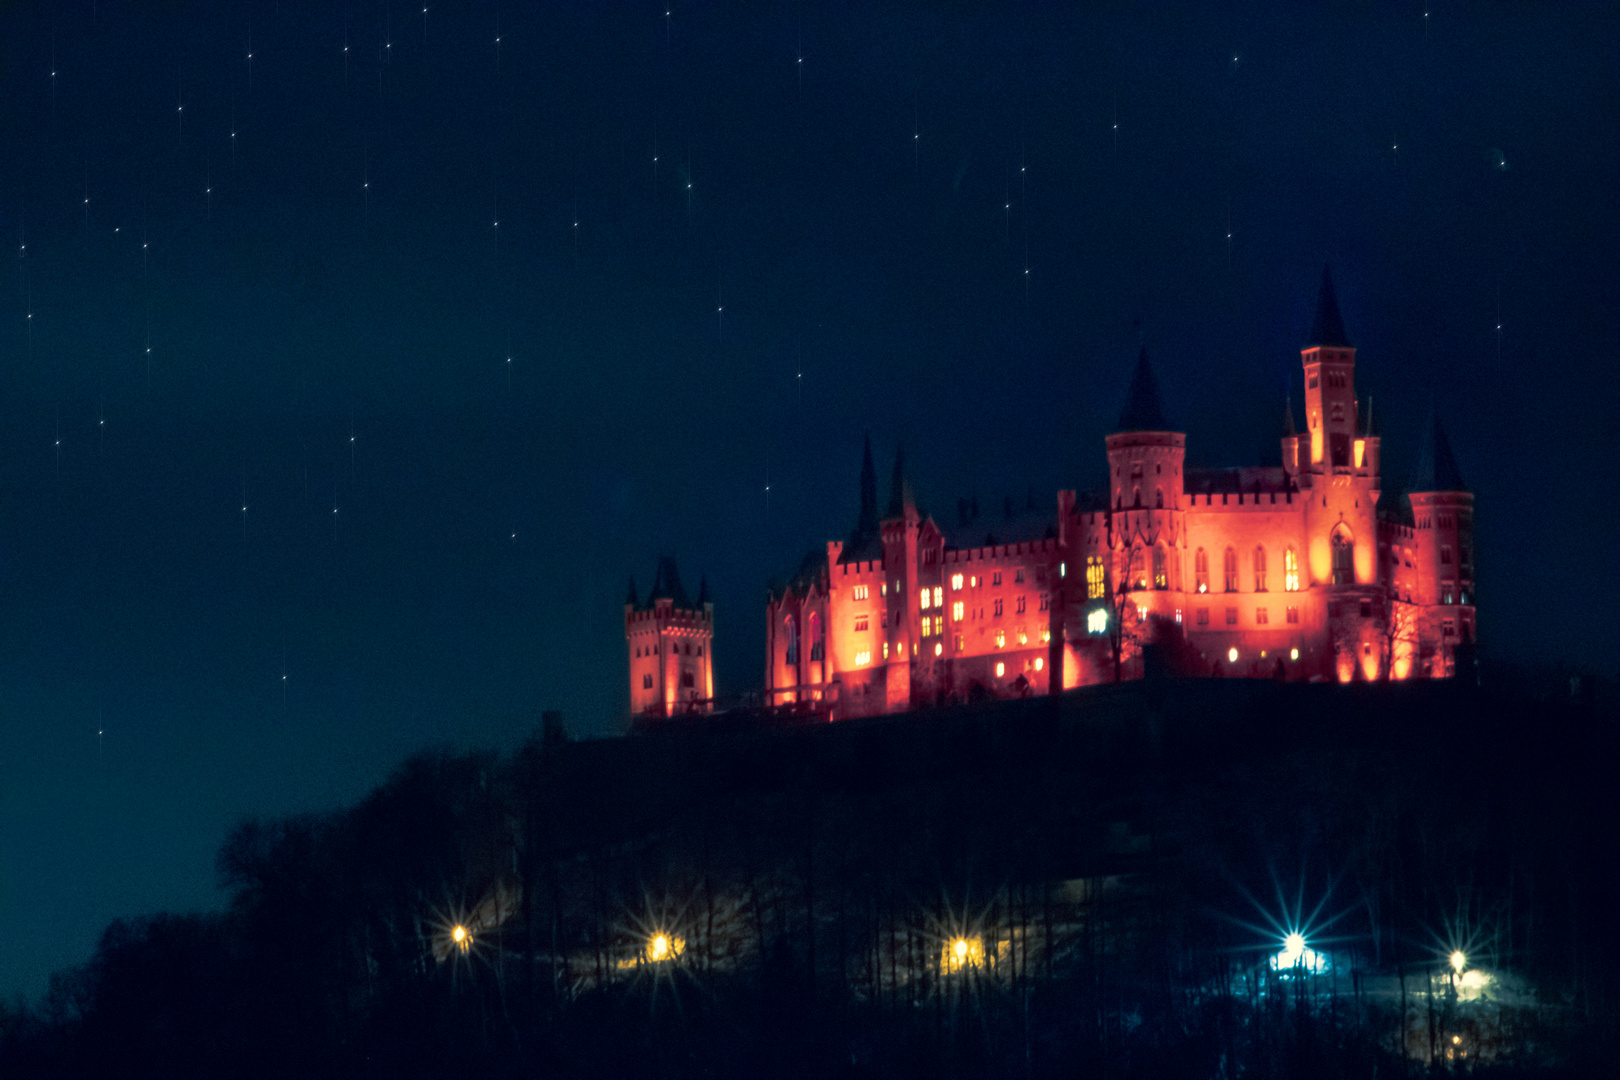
point(462, 937)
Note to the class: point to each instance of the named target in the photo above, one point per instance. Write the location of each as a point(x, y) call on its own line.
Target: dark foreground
point(1096, 885)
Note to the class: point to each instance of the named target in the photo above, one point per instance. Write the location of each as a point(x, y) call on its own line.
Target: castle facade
point(1299, 571)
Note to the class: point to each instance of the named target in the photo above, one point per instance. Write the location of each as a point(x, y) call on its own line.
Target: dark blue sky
point(931, 214)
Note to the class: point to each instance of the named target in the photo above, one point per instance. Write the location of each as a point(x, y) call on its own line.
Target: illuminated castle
point(1292, 571)
point(670, 642)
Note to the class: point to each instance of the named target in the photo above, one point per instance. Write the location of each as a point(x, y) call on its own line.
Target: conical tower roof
point(899, 487)
point(1143, 411)
point(667, 585)
point(1328, 327)
point(1436, 467)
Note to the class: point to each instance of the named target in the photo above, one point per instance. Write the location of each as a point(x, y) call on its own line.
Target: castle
point(1296, 571)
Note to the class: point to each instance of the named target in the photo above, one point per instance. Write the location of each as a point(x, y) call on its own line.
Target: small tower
point(900, 528)
point(670, 644)
point(1443, 530)
point(1145, 487)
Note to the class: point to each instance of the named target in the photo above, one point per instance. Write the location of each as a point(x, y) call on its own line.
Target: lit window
point(1097, 622)
point(1018, 605)
point(1232, 655)
point(956, 582)
point(1230, 568)
point(956, 611)
point(1023, 638)
point(1046, 636)
point(1201, 570)
point(925, 598)
point(1178, 616)
point(1141, 613)
point(861, 623)
point(1094, 578)
point(957, 643)
point(1001, 639)
point(1259, 569)
point(1018, 576)
point(1001, 669)
point(1231, 616)
point(1293, 615)
point(860, 592)
point(939, 625)
point(863, 658)
point(883, 589)
point(1063, 569)
point(1260, 616)
point(973, 582)
point(939, 596)
point(1040, 662)
point(885, 650)
point(1290, 570)
point(1161, 576)
point(995, 579)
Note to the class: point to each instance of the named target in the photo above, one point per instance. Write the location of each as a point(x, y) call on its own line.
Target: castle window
point(1313, 382)
point(1018, 576)
point(956, 611)
point(1261, 617)
point(1046, 602)
point(700, 650)
point(973, 581)
point(686, 678)
point(1097, 621)
point(859, 592)
point(883, 588)
point(956, 583)
point(1136, 500)
point(925, 598)
point(939, 596)
point(995, 579)
point(1231, 616)
point(1293, 615)
point(1290, 570)
point(1230, 567)
point(815, 637)
point(863, 658)
point(646, 682)
point(792, 641)
point(1046, 636)
point(1001, 638)
point(1203, 616)
point(862, 622)
point(885, 650)
point(1001, 669)
point(998, 607)
point(1158, 498)
point(1094, 578)
point(1201, 570)
point(1018, 605)
point(1178, 616)
point(1259, 569)
point(1023, 638)
point(1445, 555)
point(688, 648)
point(1344, 556)
point(957, 643)
point(1161, 577)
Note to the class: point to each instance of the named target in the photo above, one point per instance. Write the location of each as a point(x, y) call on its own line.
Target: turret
point(1443, 520)
point(669, 640)
point(1330, 383)
point(900, 527)
point(1146, 458)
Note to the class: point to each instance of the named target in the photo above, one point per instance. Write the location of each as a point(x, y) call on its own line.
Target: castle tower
point(1339, 481)
point(670, 644)
point(1443, 533)
point(1146, 459)
point(900, 530)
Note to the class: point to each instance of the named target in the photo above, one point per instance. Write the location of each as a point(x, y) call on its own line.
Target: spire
point(1328, 329)
point(1142, 410)
point(1289, 430)
point(667, 585)
point(867, 523)
point(1436, 468)
point(703, 590)
point(899, 488)
point(632, 600)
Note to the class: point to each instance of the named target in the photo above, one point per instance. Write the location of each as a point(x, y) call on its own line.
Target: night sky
point(456, 439)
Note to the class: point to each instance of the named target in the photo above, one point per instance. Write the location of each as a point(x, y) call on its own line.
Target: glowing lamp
point(1293, 654)
point(1232, 658)
point(939, 648)
point(1296, 955)
point(1001, 669)
point(462, 937)
point(960, 949)
point(658, 947)
point(1459, 960)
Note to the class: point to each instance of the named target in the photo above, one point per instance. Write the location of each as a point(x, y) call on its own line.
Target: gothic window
point(998, 606)
point(646, 681)
point(1293, 615)
point(1094, 578)
point(1018, 605)
point(862, 622)
point(1136, 500)
point(792, 641)
point(1344, 556)
point(1445, 555)
point(1018, 576)
point(1161, 576)
point(1201, 571)
point(1158, 498)
point(815, 637)
point(1290, 570)
point(1259, 569)
point(1231, 570)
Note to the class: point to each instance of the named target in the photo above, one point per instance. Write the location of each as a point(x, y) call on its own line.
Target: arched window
point(1158, 498)
point(1344, 556)
point(815, 637)
point(1136, 500)
point(1230, 567)
point(792, 641)
point(1095, 582)
point(1161, 577)
point(1290, 571)
point(1201, 571)
point(1259, 569)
